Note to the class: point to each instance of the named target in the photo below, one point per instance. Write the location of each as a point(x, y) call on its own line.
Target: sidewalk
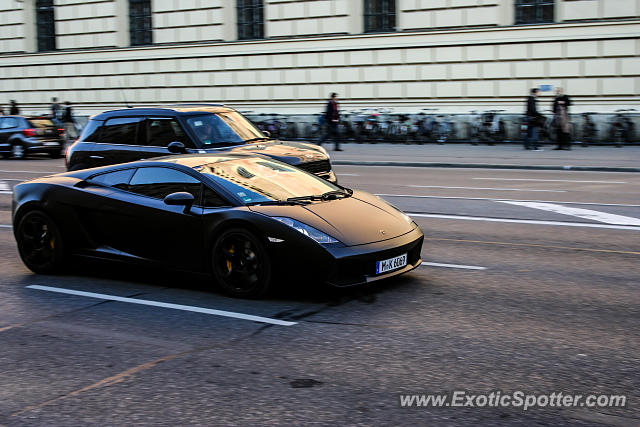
point(506, 156)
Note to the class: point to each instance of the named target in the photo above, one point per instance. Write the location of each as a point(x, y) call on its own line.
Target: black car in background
point(139, 133)
point(20, 136)
point(242, 218)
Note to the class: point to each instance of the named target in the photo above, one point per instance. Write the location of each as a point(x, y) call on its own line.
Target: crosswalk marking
point(579, 212)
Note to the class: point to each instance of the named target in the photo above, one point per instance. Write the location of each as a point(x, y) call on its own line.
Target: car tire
point(40, 243)
point(241, 264)
point(17, 151)
point(55, 154)
point(6, 155)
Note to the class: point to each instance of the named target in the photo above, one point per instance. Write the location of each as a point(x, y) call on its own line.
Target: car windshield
point(223, 128)
point(41, 123)
point(256, 180)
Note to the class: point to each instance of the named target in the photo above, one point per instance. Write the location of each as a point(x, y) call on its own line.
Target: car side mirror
point(177, 147)
point(181, 198)
point(266, 133)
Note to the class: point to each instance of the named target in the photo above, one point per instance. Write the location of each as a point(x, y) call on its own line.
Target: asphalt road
point(532, 284)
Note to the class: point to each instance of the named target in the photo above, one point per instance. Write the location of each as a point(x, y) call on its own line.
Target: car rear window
point(41, 123)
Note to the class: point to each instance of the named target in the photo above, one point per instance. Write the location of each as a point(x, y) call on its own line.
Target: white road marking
point(38, 172)
point(552, 180)
point(5, 226)
point(347, 174)
point(526, 221)
point(487, 188)
point(165, 305)
point(580, 213)
point(415, 196)
point(4, 188)
point(466, 267)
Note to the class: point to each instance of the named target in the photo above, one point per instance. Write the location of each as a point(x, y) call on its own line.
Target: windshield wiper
point(276, 202)
point(329, 195)
point(263, 138)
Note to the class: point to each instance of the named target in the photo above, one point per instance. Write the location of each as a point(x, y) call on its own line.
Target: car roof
point(187, 160)
point(176, 109)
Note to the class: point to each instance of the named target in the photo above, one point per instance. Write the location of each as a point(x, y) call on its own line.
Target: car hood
point(356, 220)
point(289, 152)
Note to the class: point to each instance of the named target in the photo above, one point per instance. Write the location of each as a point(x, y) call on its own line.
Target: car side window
point(118, 179)
point(162, 131)
point(121, 130)
point(159, 182)
point(8, 123)
point(211, 199)
point(91, 131)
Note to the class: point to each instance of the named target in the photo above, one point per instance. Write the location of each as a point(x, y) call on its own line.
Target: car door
point(138, 222)
point(8, 126)
point(161, 131)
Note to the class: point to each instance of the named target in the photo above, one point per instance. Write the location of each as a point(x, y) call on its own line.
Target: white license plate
point(391, 264)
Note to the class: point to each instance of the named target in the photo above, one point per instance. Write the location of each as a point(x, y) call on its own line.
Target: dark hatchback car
point(21, 136)
point(139, 133)
point(242, 218)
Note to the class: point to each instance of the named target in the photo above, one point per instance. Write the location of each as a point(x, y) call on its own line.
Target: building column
point(30, 30)
point(230, 21)
point(122, 23)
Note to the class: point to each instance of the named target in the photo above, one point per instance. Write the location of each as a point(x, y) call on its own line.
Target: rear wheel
point(241, 265)
point(40, 243)
point(17, 151)
point(55, 154)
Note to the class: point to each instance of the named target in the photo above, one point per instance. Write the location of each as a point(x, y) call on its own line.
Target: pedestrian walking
point(561, 105)
point(55, 108)
point(13, 108)
point(69, 122)
point(332, 119)
point(533, 121)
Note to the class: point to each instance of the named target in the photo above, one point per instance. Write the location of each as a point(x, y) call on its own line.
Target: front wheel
point(241, 265)
point(40, 243)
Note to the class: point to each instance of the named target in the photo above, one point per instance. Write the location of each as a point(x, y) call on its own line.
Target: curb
point(484, 166)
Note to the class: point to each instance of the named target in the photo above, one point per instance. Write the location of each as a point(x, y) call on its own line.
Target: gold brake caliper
point(229, 265)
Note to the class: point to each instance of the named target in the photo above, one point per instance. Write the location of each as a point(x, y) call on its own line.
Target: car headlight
point(307, 230)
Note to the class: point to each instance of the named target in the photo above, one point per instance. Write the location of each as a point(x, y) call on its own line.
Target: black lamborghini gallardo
point(242, 218)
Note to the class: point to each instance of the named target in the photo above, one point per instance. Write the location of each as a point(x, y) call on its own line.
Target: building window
point(379, 16)
point(250, 19)
point(534, 11)
point(45, 25)
point(140, 22)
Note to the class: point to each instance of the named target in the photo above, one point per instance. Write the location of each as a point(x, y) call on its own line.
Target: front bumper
point(356, 265)
point(344, 266)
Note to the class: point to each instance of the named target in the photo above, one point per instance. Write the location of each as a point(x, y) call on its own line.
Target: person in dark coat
point(55, 108)
point(332, 119)
point(533, 121)
point(13, 109)
point(69, 122)
point(561, 105)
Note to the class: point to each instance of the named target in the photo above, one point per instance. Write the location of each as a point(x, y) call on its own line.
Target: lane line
point(486, 188)
point(37, 172)
point(552, 180)
point(533, 245)
point(465, 267)
point(6, 226)
point(492, 199)
point(580, 213)
point(525, 221)
point(4, 186)
point(165, 305)
point(348, 174)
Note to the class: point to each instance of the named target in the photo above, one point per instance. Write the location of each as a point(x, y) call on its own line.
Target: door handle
point(97, 157)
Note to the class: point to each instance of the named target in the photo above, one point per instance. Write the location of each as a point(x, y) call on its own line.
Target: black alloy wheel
point(241, 265)
point(40, 243)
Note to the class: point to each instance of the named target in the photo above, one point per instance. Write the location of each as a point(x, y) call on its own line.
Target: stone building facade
point(455, 55)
